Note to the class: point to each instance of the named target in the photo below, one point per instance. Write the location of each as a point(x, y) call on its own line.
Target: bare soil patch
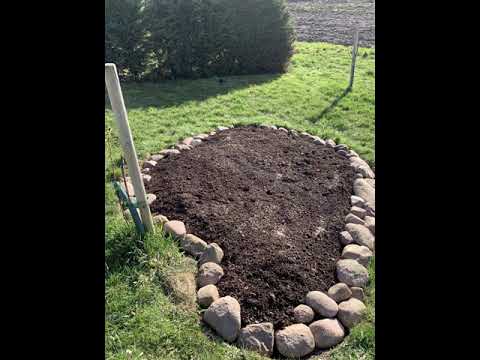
point(274, 202)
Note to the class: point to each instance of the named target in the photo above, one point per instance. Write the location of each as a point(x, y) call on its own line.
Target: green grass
point(142, 321)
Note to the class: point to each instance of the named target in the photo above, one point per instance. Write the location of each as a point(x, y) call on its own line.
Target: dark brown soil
point(334, 21)
point(274, 202)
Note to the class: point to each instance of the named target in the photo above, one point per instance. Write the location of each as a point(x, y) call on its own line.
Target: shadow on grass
point(334, 103)
point(170, 93)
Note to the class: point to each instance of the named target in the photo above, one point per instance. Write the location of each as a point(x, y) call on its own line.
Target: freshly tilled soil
point(274, 202)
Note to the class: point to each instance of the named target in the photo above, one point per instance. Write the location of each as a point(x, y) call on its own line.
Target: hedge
point(160, 39)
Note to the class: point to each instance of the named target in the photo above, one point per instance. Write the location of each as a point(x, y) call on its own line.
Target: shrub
point(197, 38)
point(125, 37)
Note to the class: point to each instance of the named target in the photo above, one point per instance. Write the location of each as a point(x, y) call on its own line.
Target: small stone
point(146, 177)
point(209, 273)
point(357, 293)
point(187, 141)
point(367, 192)
point(223, 315)
point(295, 341)
point(319, 141)
point(196, 142)
point(283, 129)
point(168, 152)
point(330, 143)
point(160, 219)
point(183, 147)
point(151, 198)
point(207, 295)
point(342, 153)
point(352, 273)
point(303, 314)
point(201, 136)
point(222, 128)
point(321, 303)
point(193, 245)
point(361, 235)
point(157, 157)
point(358, 211)
point(357, 201)
point(293, 132)
point(340, 147)
point(370, 223)
point(345, 238)
point(339, 292)
point(175, 228)
point(350, 312)
point(149, 163)
point(257, 337)
point(353, 219)
point(146, 170)
point(357, 252)
point(213, 253)
point(327, 333)
point(212, 133)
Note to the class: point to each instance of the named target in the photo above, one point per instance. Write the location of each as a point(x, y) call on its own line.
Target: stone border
point(341, 307)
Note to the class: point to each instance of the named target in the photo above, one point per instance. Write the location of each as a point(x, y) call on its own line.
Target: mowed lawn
point(143, 320)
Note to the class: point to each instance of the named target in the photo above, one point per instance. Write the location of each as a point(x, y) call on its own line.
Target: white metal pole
point(354, 58)
point(126, 140)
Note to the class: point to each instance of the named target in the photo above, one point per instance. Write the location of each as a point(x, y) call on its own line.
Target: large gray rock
point(213, 253)
point(350, 312)
point(361, 235)
point(196, 142)
point(303, 314)
point(175, 228)
point(257, 337)
point(353, 219)
point(201, 136)
point(295, 341)
point(157, 157)
point(339, 292)
point(187, 141)
point(183, 147)
point(327, 333)
point(209, 273)
point(345, 238)
point(357, 252)
point(351, 272)
point(193, 245)
point(370, 223)
point(223, 315)
point(362, 167)
point(321, 303)
point(367, 192)
point(207, 295)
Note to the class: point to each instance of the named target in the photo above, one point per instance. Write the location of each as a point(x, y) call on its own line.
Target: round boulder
point(223, 315)
point(207, 295)
point(350, 312)
point(339, 292)
point(321, 303)
point(327, 333)
point(257, 337)
point(361, 235)
point(358, 211)
point(295, 341)
point(366, 191)
point(353, 219)
point(175, 228)
point(160, 219)
point(351, 273)
point(209, 273)
point(357, 252)
point(303, 314)
point(213, 253)
point(193, 245)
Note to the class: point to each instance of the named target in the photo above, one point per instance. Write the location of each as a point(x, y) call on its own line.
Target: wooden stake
point(354, 58)
point(126, 140)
